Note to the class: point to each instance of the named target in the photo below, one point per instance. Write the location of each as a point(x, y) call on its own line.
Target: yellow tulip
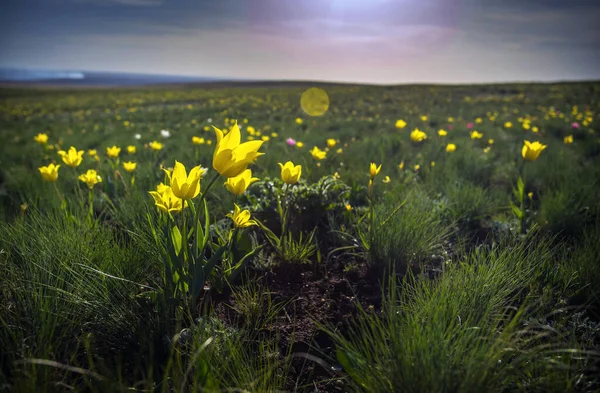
point(241, 218)
point(92, 152)
point(318, 154)
point(166, 201)
point(450, 147)
point(50, 172)
point(374, 170)
point(73, 157)
point(442, 132)
point(348, 207)
point(129, 166)
point(298, 120)
point(476, 135)
point(331, 142)
point(91, 178)
point(131, 149)
point(196, 140)
point(239, 184)
point(418, 135)
point(42, 139)
point(290, 174)
point(185, 186)
point(490, 141)
point(424, 118)
point(155, 145)
point(508, 124)
point(531, 151)
point(487, 149)
point(400, 124)
point(568, 139)
point(231, 157)
point(299, 144)
point(162, 187)
point(113, 152)
point(387, 179)
point(401, 165)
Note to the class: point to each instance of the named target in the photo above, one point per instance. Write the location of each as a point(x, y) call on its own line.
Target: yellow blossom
point(113, 152)
point(129, 166)
point(298, 120)
point(490, 141)
point(568, 139)
point(241, 218)
point(374, 170)
point(508, 124)
point(401, 165)
point(92, 152)
point(290, 174)
point(450, 147)
point(476, 135)
point(50, 172)
point(41, 138)
point(196, 140)
point(348, 207)
point(185, 186)
point(91, 178)
point(155, 145)
point(400, 124)
point(331, 142)
point(417, 135)
point(73, 157)
point(231, 157)
point(318, 154)
point(442, 132)
point(239, 184)
point(386, 179)
point(424, 118)
point(165, 200)
point(299, 144)
point(131, 149)
point(531, 150)
point(487, 149)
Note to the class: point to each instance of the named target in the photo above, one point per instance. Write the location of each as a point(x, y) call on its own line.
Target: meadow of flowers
point(255, 238)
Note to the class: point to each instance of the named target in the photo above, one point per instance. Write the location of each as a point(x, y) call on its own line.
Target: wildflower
point(348, 207)
point(531, 151)
point(274, 135)
point(487, 149)
point(265, 138)
point(241, 218)
point(568, 139)
point(50, 172)
point(331, 142)
point(400, 124)
point(196, 140)
point(336, 176)
point(299, 144)
point(73, 157)
point(92, 152)
point(318, 154)
point(374, 170)
point(479, 120)
point(490, 141)
point(298, 120)
point(476, 135)
point(508, 124)
point(165, 133)
point(417, 135)
point(138, 136)
point(155, 145)
point(290, 142)
point(424, 118)
point(401, 165)
point(42, 139)
point(91, 178)
point(450, 147)
point(339, 151)
point(113, 152)
point(442, 132)
point(416, 167)
point(432, 164)
point(450, 119)
point(469, 125)
point(290, 174)
point(162, 187)
point(239, 184)
point(530, 195)
point(129, 166)
point(535, 129)
point(575, 125)
point(185, 186)
point(131, 149)
point(166, 201)
point(386, 179)
point(231, 157)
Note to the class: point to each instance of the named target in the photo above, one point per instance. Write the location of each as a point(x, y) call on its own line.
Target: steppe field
point(265, 238)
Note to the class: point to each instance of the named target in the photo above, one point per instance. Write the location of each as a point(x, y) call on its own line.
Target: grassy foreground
point(469, 261)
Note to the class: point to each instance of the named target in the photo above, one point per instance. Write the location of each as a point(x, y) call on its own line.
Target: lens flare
point(314, 101)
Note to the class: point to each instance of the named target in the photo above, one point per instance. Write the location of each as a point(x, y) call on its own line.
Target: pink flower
point(449, 126)
point(575, 125)
point(291, 142)
point(469, 125)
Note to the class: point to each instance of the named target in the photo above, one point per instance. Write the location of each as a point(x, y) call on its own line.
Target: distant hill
point(92, 78)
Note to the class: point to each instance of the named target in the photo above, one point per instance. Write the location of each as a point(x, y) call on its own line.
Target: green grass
point(469, 302)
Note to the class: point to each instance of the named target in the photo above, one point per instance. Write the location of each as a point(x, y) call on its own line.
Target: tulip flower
point(42, 139)
point(241, 218)
point(131, 149)
point(442, 132)
point(318, 154)
point(73, 157)
point(91, 178)
point(239, 184)
point(299, 144)
point(450, 147)
point(50, 172)
point(331, 142)
point(113, 152)
point(196, 140)
point(418, 135)
point(374, 170)
point(387, 179)
point(400, 124)
point(231, 157)
point(298, 120)
point(568, 139)
point(531, 150)
point(185, 186)
point(166, 201)
point(291, 142)
point(155, 145)
point(290, 174)
point(476, 135)
point(129, 166)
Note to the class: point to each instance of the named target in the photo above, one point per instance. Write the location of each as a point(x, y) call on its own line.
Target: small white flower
point(203, 170)
point(137, 136)
point(209, 120)
point(165, 133)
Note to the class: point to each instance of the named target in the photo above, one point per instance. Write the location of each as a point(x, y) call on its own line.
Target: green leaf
point(176, 239)
point(518, 213)
point(521, 188)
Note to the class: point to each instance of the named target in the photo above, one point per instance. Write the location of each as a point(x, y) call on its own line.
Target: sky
point(367, 41)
